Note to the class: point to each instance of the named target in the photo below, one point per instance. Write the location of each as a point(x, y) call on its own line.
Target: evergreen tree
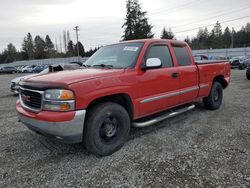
point(28, 47)
point(167, 34)
point(136, 23)
point(49, 47)
point(3, 56)
point(187, 40)
point(10, 53)
point(217, 29)
point(40, 48)
point(216, 36)
point(203, 38)
point(81, 49)
point(70, 49)
point(227, 37)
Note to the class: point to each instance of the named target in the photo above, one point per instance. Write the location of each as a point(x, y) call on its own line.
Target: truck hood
point(73, 76)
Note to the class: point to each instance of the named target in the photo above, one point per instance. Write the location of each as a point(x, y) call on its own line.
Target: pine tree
point(246, 35)
point(49, 47)
point(202, 38)
point(227, 37)
point(217, 36)
point(136, 23)
point(28, 47)
point(70, 49)
point(81, 49)
point(167, 34)
point(187, 40)
point(11, 53)
point(40, 48)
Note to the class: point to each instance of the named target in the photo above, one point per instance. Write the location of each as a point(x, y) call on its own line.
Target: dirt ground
point(198, 149)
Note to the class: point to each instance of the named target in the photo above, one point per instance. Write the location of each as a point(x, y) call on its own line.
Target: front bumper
point(70, 131)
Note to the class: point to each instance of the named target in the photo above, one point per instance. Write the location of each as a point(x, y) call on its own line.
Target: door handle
point(175, 75)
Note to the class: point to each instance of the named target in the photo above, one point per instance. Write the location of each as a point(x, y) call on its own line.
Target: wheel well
point(221, 80)
point(122, 99)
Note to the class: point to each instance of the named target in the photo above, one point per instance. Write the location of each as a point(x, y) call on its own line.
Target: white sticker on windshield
point(131, 48)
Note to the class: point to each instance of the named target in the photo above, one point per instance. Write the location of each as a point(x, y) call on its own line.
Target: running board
point(162, 117)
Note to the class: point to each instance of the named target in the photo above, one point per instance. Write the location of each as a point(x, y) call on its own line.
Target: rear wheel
point(241, 66)
point(214, 100)
point(107, 128)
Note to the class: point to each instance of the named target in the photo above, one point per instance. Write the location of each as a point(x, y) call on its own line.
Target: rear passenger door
point(188, 73)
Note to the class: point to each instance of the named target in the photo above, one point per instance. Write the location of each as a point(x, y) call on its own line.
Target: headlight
point(59, 94)
point(59, 100)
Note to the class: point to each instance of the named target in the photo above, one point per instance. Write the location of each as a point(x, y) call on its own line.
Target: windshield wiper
point(104, 66)
point(84, 65)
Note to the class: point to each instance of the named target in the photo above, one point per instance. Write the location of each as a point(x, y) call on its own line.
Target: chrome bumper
point(67, 131)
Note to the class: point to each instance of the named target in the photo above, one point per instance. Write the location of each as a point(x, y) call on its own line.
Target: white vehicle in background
point(28, 69)
point(14, 87)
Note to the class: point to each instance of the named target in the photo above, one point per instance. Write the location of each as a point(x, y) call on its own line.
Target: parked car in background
point(200, 57)
point(237, 63)
point(28, 69)
point(8, 70)
point(19, 68)
point(76, 62)
point(14, 86)
point(247, 61)
point(39, 68)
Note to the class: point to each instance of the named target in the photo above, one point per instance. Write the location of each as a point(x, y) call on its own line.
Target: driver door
point(159, 87)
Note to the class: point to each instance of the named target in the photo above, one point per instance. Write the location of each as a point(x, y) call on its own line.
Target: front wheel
point(248, 75)
point(107, 128)
point(214, 100)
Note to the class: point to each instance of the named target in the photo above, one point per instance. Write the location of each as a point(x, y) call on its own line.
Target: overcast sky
point(100, 21)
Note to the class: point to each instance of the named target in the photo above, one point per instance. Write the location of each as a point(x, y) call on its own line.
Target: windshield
point(115, 56)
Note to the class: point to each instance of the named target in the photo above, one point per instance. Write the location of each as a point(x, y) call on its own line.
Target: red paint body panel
point(150, 91)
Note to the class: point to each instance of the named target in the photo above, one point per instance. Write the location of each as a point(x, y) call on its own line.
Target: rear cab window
point(182, 56)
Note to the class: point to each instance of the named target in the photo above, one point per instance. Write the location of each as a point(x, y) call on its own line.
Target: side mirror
point(153, 63)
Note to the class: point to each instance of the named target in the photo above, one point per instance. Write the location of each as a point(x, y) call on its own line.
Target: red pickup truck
point(135, 83)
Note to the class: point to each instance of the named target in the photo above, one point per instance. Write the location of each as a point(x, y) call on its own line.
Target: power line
point(175, 8)
point(226, 21)
point(222, 14)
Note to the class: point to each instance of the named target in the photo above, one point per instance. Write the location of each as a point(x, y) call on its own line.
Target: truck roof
point(174, 42)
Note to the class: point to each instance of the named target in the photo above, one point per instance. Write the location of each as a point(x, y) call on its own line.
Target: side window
point(161, 52)
point(182, 56)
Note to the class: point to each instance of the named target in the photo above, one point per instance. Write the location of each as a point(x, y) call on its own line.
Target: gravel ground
point(198, 149)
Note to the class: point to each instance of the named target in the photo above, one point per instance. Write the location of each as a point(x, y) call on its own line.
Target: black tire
point(248, 76)
point(106, 129)
point(214, 100)
point(241, 67)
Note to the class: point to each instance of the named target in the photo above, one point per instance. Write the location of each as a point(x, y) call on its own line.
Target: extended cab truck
point(133, 83)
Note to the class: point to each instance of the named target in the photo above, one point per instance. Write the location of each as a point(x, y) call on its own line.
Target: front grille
point(31, 99)
point(13, 84)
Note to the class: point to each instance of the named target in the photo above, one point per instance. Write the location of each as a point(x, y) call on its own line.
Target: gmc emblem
point(25, 98)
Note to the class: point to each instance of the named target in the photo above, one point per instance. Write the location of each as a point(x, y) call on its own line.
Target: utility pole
point(76, 28)
point(232, 38)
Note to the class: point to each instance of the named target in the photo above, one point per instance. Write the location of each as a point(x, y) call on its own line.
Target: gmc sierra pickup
point(135, 83)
